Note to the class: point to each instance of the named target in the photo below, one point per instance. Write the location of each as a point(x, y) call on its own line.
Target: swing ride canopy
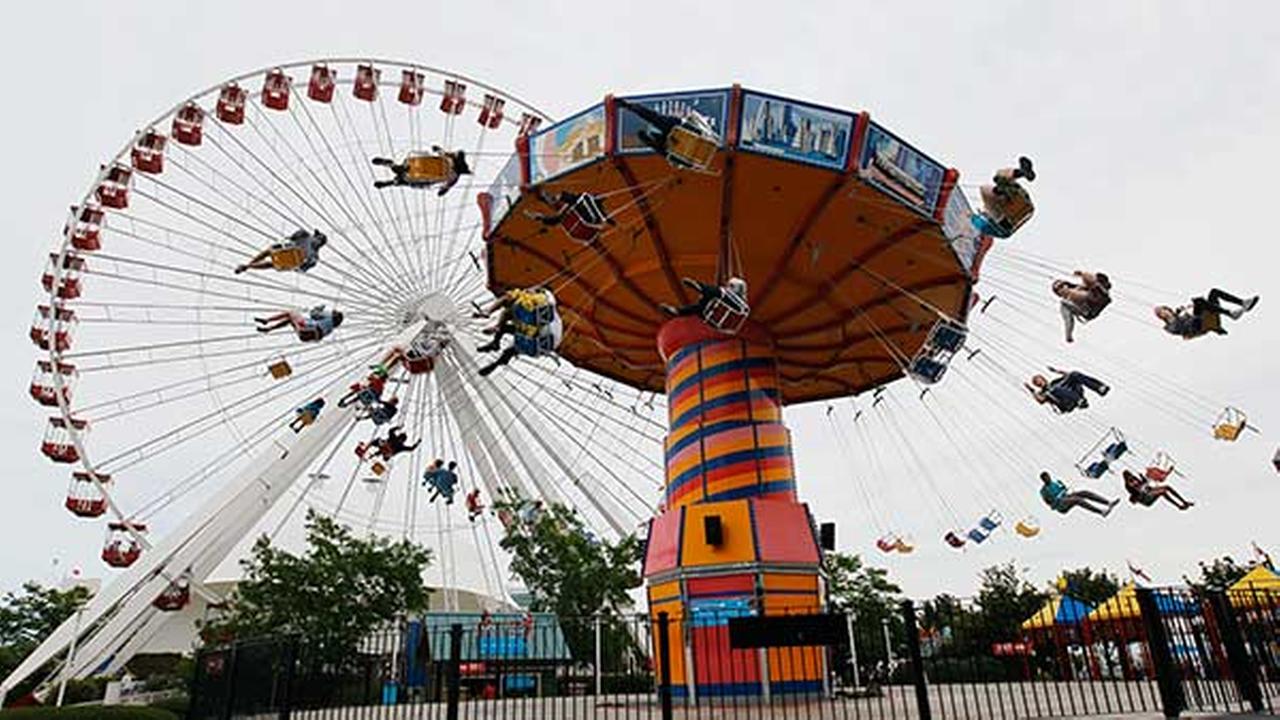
point(851, 240)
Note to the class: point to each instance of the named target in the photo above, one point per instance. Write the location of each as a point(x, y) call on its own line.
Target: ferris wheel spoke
point(273, 350)
point(229, 275)
point(281, 211)
point(371, 271)
point(360, 197)
point(404, 203)
point(230, 218)
point(365, 163)
point(159, 390)
point(388, 269)
point(460, 213)
point(201, 424)
point(575, 437)
point(220, 278)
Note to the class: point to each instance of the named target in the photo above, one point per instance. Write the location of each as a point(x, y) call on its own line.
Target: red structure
point(230, 107)
point(122, 548)
point(148, 152)
point(455, 97)
point(365, 86)
point(188, 125)
point(113, 191)
point(43, 383)
point(86, 230)
point(411, 87)
point(57, 445)
point(68, 285)
point(84, 499)
point(321, 85)
point(61, 336)
point(275, 90)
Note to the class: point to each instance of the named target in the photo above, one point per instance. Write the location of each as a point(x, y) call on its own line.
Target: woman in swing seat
point(1204, 314)
point(1061, 499)
point(1083, 300)
point(1143, 492)
point(1065, 392)
point(300, 252)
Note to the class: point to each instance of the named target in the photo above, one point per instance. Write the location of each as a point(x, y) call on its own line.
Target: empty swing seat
point(1026, 529)
point(1097, 469)
point(927, 369)
point(280, 369)
point(727, 313)
point(903, 546)
point(886, 544)
point(990, 522)
point(1156, 473)
point(690, 148)
point(953, 539)
point(1115, 450)
point(585, 219)
point(977, 536)
point(948, 336)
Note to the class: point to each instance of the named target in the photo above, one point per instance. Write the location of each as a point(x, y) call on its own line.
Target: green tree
point(342, 588)
point(1219, 574)
point(1088, 585)
point(854, 585)
point(572, 573)
point(27, 617)
point(569, 571)
point(1004, 600)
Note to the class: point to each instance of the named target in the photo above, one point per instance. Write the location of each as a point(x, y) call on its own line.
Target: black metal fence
point(1145, 651)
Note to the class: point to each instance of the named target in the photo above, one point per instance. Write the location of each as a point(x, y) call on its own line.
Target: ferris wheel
point(263, 304)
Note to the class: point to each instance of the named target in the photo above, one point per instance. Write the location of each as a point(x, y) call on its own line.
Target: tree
point(1088, 585)
point(1220, 574)
point(1005, 599)
point(858, 587)
point(335, 594)
point(570, 572)
point(27, 617)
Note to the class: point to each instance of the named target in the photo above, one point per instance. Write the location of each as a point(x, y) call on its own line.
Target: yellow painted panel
point(735, 520)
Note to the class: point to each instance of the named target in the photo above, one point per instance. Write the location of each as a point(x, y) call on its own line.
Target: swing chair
point(279, 369)
point(1013, 211)
point(533, 307)
point(953, 539)
point(1160, 467)
point(978, 536)
point(537, 344)
point(945, 339)
point(991, 521)
point(1230, 423)
point(727, 313)
point(1097, 461)
point(887, 543)
point(904, 547)
point(428, 168)
point(287, 257)
point(585, 220)
point(1027, 528)
point(692, 144)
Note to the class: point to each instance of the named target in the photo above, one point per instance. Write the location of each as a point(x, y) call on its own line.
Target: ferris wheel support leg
point(122, 611)
point(731, 527)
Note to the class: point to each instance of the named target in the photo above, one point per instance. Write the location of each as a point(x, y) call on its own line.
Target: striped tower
point(729, 465)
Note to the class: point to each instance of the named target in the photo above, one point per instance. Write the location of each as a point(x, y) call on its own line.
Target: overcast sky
point(1155, 127)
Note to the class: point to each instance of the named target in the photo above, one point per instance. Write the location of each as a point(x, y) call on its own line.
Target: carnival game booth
point(1116, 631)
point(1059, 626)
point(1256, 601)
point(501, 654)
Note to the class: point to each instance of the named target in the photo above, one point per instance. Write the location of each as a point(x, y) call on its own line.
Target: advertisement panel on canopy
point(567, 144)
point(796, 131)
point(712, 105)
point(957, 225)
point(894, 166)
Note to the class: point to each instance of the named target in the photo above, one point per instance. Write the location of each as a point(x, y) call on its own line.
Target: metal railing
point(1165, 650)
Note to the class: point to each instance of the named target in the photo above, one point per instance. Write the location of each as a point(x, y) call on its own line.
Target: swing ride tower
point(853, 245)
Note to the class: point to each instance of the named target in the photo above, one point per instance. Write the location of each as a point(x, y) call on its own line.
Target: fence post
point(664, 664)
point(1242, 670)
point(290, 660)
point(599, 656)
point(917, 660)
point(454, 676)
point(229, 697)
point(1167, 676)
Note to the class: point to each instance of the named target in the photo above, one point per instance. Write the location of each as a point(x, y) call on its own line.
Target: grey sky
point(1153, 124)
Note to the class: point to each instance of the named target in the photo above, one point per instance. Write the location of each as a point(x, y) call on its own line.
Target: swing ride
point(830, 257)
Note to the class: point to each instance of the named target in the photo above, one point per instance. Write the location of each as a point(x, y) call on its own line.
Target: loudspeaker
point(827, 536)
point(712, 530)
